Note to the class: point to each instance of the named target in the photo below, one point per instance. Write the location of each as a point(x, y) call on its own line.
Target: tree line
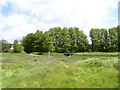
point(5, 46)
point(70, 39)
point(56, 39)
point(105, 40)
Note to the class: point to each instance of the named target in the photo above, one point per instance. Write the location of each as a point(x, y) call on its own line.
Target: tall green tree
point(56, 34)
point(113, 39)
point(38, 42)
point(118, 31)
point(73, 38)
point(68, 39)
point(81, 41)
point(103, 40)
point(4, 46)
point(48, 43)
point(94, 34)
point(17, 48)
point(29, 43)
point(65, 40)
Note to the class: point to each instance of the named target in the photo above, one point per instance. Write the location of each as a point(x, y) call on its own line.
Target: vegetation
point(103, 40)
point(18, 48)
point(72, 40)
point(91, 65)
point(65, 39)
point(83, 70)
point(68, 39)
point(4, 46)
point(37, 42)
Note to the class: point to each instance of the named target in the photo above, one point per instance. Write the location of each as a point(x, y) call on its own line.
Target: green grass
point(83, 70)
point(14, 55)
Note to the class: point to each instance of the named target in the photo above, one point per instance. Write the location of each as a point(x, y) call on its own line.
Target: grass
point(83, 70)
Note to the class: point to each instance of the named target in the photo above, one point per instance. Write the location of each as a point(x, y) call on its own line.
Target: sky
point(20, 17)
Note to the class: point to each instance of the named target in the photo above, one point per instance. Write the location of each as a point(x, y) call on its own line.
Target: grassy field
point(82, 70)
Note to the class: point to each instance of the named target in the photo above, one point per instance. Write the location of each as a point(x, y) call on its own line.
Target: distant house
point(11, 48)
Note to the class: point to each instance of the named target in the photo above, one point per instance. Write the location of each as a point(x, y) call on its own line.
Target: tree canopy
point(18, 48)
point(56, 39)
point(104, 40)
point(4, 46)
point(68, 39)
point(38, 42)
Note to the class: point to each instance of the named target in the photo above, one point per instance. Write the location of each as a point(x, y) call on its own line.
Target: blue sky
point(20, 17)
point(6, 9)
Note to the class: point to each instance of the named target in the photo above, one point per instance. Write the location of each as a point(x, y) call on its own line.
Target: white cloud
point(44, 14)
point(15, 26)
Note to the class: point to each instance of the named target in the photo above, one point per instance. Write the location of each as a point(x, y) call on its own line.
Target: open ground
point(81, 70)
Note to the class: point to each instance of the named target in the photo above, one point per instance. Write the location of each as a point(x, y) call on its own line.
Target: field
point(82, 70)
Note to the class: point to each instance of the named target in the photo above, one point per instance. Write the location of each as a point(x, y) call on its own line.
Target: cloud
point(27, 16)
point(15, 26)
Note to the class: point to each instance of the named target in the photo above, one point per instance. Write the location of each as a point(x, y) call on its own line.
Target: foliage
point(104, 40)
point(118, 31)
point(68, 39)
point(4, 46)
point(17, 47)
point(72, 39)
point(28, 43)
point(113, 39)
point(37, 42)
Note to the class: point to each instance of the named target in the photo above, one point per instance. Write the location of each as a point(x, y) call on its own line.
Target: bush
point(94, 62)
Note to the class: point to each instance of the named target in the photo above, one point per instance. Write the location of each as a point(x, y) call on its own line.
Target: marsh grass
point(58, 71)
